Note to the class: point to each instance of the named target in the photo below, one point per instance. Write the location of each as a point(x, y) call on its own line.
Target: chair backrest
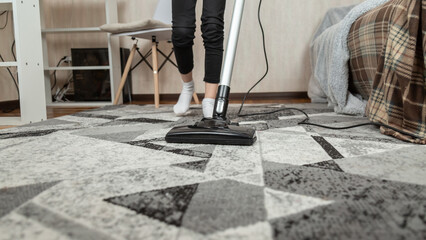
point(163, 12)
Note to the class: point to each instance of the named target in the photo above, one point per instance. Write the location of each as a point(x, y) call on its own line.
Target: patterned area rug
point(108, 174)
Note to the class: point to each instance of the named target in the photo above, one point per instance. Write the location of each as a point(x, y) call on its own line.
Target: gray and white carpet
point(108, 174)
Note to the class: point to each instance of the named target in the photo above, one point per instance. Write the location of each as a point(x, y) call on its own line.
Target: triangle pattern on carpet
point(11, 198)
point(167, 205)
point(330, 165)
point(199, 166)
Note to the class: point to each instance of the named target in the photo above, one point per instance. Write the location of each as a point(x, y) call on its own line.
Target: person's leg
point(213, 35)
point(183, 40)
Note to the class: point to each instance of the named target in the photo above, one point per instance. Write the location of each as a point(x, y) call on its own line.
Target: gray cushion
point(146, 24)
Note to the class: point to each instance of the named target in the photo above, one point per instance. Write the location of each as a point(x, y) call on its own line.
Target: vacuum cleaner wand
point(219, 130)
point(221, 103)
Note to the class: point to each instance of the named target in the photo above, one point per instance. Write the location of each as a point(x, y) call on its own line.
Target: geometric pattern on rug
point(167, 205)
point(331, 151)
point(199, 166)
point(330, 164)
point(372, 208)
point(153, 144)
point(203, 207)
point(11, 198)
point(280, 204)
point(108, 173)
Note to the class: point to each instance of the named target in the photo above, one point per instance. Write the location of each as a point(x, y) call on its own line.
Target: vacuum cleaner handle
point(221, 103)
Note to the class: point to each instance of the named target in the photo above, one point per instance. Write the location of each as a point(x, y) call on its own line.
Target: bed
point(372, 62)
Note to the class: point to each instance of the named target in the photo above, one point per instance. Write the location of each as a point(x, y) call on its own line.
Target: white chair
point(156, 29)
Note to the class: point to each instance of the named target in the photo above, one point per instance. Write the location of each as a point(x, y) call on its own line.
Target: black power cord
point(54, 72)
point(266, 59)
point(304, 121)
point(7, 19)
point(12, 50)
point(65, 87)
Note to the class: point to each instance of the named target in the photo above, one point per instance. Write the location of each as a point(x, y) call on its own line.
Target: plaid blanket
point(388, 66)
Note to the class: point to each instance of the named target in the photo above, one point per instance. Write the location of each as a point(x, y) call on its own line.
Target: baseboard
point(232, 97)
point(13, 104)
point(8, 105)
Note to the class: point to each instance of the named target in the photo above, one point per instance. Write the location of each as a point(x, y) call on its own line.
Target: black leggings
point(212, 33)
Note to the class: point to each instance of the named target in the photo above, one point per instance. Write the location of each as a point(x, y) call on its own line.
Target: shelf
point(111, 16)
point(79, 104)
point(6, 1)
point(71, 30)
point(77, 68)
point(8, 64)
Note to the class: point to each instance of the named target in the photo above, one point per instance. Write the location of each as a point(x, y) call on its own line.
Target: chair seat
point(142, 25)
point(161, 34)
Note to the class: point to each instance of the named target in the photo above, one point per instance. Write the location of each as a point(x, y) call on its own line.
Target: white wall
point(289, 26)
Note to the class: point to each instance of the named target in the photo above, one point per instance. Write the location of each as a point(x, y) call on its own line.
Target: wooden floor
point(53, 112)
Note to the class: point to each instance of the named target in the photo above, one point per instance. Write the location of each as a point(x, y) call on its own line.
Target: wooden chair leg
point(125, 73)
point(197, 101)
point(155, 72)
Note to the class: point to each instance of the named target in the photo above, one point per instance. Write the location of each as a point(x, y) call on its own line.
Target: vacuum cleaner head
point(212, 131)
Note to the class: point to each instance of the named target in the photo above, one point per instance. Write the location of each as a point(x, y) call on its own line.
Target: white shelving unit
point(32, 59)
point(8, 64)
point(26, 26)
point(113, 54)
point(78, 68)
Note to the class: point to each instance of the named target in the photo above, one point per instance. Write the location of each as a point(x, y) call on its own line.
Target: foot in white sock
point(208, 105)
point(185, 98)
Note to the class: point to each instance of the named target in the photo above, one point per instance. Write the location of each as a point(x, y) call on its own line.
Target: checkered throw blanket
point(388, 66)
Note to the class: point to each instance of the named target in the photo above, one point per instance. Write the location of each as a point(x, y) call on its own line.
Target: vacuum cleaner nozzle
point(212, 131)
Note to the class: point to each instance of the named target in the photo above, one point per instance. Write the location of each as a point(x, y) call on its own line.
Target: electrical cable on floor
point(63, 90)
point(305, 121)
point(275, 111)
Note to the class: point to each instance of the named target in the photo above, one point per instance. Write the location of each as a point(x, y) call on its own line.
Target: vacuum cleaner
point(219, 129)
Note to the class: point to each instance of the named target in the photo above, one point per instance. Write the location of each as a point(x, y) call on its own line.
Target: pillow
point(146, 24)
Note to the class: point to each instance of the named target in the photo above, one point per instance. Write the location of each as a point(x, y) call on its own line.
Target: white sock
point(185, 98)
point(208, 105)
